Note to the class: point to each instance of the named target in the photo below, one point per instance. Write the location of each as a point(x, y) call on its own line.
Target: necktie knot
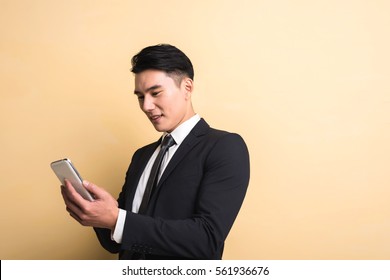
point(167, 142)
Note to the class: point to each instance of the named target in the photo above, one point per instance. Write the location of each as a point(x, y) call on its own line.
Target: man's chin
point(159, 127)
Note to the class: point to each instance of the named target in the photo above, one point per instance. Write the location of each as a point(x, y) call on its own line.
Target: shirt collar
point(181, 132)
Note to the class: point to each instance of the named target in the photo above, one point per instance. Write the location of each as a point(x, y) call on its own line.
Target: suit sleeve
point(103, 234)
point(222, 189)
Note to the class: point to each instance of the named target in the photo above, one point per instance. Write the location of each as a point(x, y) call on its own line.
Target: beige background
point(306, 83)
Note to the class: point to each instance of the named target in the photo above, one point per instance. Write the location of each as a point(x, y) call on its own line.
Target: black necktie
point(167, 142)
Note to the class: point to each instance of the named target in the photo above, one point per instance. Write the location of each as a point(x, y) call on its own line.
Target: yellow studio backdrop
point(306, 83)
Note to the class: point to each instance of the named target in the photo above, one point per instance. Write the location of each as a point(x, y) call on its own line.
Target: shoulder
point(203, 128)
point(227, 142)
point(226, 151)
point(219, 141)
point(223, 136)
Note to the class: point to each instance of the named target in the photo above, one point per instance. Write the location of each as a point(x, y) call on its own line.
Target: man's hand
point(103, 212)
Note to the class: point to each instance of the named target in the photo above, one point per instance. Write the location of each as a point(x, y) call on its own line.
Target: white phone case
point(64, 169)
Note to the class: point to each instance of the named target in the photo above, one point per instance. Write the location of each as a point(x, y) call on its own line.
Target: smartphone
point(64, 169)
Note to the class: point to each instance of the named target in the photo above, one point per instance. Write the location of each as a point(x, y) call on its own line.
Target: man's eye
point(156, 93)
point(140, 97)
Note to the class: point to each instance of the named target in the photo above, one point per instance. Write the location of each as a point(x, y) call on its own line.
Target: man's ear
point(188, 86)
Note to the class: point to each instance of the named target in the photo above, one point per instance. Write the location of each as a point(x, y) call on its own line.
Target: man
point(189, 209)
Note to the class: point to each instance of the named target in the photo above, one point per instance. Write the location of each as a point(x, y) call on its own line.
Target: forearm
point(104, 237)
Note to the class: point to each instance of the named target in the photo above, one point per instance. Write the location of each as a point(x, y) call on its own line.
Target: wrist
point(114, 219)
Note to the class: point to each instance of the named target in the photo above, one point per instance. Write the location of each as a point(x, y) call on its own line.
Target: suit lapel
point(192, 139)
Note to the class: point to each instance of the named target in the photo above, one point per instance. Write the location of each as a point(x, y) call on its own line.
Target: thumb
point(92, 188)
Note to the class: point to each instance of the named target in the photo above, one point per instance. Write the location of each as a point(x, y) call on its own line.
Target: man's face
point(166, 103)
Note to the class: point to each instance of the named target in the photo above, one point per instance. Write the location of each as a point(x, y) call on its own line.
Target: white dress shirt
point(179, 134)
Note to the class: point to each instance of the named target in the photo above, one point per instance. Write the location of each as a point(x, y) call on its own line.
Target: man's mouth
point(155, 118)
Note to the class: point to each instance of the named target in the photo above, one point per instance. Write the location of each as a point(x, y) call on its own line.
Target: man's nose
point(148, 103)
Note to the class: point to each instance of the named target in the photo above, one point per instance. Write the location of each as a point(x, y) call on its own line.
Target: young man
point(187, 210)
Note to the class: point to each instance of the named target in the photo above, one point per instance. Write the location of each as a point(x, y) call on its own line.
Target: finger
point(71, 207)
point(66, 192)
point(65, 195)
point(93, 189)
point(73, 195)
point(74, 216)
point(98, 193)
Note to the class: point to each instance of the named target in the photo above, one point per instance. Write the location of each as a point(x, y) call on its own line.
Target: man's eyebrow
point(148, 89)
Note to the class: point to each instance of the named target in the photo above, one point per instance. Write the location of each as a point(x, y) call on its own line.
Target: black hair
point(163, 57)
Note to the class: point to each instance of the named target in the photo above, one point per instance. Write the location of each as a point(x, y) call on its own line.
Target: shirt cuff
point(117, 234)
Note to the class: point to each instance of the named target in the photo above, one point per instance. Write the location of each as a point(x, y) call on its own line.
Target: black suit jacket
point(195, 203)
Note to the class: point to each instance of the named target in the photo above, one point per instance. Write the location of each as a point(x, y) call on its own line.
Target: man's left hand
point(102, 212)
